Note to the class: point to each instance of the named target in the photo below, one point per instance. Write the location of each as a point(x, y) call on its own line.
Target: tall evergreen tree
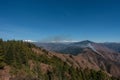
point(2, 64)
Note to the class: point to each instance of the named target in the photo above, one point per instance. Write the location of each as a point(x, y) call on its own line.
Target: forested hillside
point(24, 61)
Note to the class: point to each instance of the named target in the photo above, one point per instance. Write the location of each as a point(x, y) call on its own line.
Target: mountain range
point(89, 54)
point(84, 60)
point(76, 47)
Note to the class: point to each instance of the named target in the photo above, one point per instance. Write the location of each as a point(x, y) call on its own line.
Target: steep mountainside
point(24, 61)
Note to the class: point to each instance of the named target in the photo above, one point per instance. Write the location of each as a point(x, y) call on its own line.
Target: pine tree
point(2, 64)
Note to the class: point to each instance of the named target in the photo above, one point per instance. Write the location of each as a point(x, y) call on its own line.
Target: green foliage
point(17, 55)
point(2, 64)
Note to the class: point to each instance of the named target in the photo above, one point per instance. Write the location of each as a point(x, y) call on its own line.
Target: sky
point(70, 20)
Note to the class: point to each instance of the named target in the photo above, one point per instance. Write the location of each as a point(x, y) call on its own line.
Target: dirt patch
point(45, 68)
point(4, 73)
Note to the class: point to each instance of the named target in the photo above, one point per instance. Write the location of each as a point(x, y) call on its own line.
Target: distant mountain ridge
point(113, 46)
point(76, 47)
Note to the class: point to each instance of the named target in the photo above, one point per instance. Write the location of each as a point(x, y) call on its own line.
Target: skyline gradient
point(70, 20)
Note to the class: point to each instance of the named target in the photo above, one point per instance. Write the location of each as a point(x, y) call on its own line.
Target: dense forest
point(20, 62)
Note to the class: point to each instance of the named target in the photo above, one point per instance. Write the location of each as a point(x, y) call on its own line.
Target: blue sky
point(96, 20)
